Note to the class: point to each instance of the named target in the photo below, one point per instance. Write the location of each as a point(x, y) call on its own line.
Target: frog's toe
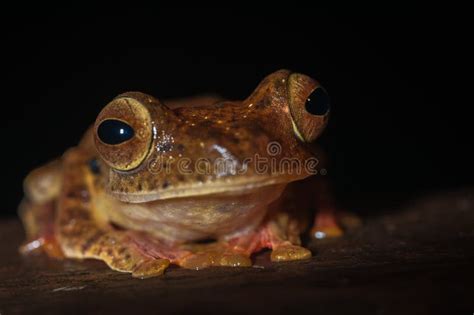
point(49, 245)
point(199, 260)
point(150, 268)
point(289, 252)
point(235, 260)
point(208, 258)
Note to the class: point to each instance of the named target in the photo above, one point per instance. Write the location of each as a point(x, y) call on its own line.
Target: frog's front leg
point(38, 209)
point(81, 234)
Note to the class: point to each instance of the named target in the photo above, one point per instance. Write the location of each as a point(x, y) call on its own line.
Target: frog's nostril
point(113, 131)
point(318, 102)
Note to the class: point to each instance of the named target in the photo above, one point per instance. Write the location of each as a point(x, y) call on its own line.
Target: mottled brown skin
point(139, 210)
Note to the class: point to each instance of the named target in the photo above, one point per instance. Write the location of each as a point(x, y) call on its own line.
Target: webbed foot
point(216, 254)
point(288, 252)
point(150, 268)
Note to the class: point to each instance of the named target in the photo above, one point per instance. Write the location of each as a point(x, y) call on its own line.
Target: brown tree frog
point(150, 181)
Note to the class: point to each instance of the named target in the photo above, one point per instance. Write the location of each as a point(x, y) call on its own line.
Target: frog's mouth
point(234, 187)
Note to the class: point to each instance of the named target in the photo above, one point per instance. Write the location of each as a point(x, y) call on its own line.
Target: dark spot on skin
point(206, 241)
point(116, 226)
point(165, 147)
point(94, 166)
point(165, 184)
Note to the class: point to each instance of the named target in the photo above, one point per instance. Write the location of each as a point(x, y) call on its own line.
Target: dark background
point(397, 129)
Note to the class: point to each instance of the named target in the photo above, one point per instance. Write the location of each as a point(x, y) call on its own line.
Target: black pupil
point(112, 131)
point(318, 102)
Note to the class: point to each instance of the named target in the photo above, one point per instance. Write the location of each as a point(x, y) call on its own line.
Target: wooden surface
point(417, 259)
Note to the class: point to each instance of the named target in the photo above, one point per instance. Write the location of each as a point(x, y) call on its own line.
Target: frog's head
point(155, 152)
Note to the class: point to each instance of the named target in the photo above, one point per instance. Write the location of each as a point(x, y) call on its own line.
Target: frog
point(195, 182)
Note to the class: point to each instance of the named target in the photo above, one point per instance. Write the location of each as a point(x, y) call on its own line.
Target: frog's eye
point(123, 133)
point(309, 106)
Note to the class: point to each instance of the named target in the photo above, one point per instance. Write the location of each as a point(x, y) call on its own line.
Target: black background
point(397, 128)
